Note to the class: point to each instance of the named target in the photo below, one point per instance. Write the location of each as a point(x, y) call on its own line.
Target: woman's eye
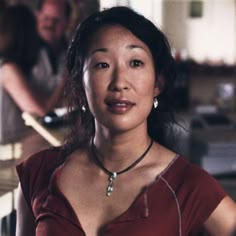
point(101, 65)
point(136, 63)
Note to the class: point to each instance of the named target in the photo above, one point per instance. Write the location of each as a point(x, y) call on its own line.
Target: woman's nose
point(119, 80)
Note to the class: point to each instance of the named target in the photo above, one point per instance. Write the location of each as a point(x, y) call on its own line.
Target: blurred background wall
point(204, 30)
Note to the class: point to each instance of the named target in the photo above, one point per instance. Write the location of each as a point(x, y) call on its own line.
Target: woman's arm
point(25, 224)
point(222, 222)
point(16, 85)
point(56, 97)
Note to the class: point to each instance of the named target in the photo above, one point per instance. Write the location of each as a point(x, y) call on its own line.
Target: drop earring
point(84, 108)
point(155, 103)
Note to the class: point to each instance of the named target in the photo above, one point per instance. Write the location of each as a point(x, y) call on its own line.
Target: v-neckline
point(130, 214)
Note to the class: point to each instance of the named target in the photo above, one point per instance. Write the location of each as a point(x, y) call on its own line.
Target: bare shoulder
point(162, 157)
point(223, 219)
point(164, 154)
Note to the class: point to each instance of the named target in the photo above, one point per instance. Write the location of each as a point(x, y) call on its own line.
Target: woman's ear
point(156, 91)
point(159, 85)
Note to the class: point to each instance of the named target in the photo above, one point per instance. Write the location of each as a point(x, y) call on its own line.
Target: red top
point(178, 202)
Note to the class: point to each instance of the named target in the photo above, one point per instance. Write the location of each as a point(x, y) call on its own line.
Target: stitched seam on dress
point(169, 165)
point(146, 205)
point(177, 203)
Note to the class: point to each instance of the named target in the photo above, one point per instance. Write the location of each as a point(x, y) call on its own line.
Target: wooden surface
point(10, 151)
point(54, 136)
point(8, 176)
point(41, 137)
point(38, 138)
point(8, 187)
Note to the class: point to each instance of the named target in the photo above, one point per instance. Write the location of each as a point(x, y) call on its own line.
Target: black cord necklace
point(113, 175)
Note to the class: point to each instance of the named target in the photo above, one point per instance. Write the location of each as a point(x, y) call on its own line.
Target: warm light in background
point(209, 37)
point(151, 9)
point(213, 36)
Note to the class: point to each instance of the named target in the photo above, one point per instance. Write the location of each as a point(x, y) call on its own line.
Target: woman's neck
point(118, 151)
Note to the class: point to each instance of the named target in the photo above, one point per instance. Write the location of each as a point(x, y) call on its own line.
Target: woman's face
point(119, 79)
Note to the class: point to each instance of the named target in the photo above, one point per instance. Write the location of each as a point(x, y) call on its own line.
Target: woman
point(115, 176)
point(19, 90)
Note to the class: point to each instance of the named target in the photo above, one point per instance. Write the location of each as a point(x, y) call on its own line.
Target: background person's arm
point(57, 96)
point(15, 84)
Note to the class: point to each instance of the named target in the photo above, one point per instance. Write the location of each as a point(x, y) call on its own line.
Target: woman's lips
point(119, 106)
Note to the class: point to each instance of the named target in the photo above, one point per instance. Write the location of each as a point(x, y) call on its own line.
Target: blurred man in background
point(53, 17)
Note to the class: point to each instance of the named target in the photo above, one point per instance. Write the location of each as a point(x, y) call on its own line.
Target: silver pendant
point(110, 188)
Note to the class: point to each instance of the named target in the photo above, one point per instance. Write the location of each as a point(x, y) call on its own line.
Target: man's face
point(52, 22)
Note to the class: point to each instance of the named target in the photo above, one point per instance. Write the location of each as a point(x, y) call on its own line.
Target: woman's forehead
point(109, 35)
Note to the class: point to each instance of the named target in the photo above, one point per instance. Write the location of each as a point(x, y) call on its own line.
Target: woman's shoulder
point(45, 155)
point(185, 175)
point(178, 169)
point(44, 159)
point(193, 171)
point(185, 169)
point(34, 172)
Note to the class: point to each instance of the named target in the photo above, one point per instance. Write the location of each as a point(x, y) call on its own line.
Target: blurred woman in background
point(20, 90)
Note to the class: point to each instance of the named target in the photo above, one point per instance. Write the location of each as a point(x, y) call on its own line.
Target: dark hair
point(68, 10)
point(19, 38)
point(159, 119)
point(2, 5)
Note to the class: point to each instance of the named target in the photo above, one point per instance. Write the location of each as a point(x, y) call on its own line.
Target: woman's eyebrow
point(131, 46)
point(98, 50)
point(134, 46)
